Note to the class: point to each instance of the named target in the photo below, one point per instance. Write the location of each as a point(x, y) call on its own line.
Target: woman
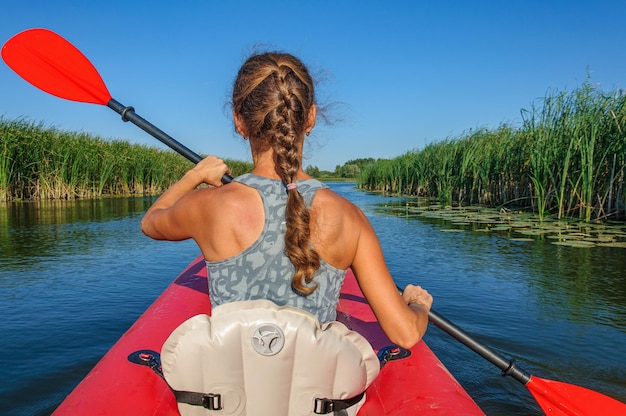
point(277, 233)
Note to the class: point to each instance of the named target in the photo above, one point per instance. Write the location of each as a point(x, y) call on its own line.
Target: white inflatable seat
point(254, 358)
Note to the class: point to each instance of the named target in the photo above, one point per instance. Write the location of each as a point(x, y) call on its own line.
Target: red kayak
point(416, 384)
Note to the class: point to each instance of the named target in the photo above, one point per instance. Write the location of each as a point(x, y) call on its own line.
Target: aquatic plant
point(567, 159)
point(40, 162)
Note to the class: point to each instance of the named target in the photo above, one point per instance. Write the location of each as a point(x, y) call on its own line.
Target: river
point(75, 275)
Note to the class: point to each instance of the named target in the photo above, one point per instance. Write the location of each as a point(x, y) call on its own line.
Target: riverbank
point(38, 162)
point(568, 158)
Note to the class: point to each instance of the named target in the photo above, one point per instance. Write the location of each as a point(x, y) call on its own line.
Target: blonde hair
point(272, 95)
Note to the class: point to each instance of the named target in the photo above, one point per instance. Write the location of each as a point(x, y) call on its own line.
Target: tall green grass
point(39, 162)
point(567, 159)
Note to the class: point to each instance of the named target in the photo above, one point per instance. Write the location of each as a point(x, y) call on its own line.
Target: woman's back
point(234, 219)
point(262, 270)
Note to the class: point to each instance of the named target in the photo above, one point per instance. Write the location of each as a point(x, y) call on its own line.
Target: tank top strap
point(277, 190)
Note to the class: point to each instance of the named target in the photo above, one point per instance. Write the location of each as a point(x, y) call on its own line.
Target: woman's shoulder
point(337, 224)
point(330, 204)
point(233, 196)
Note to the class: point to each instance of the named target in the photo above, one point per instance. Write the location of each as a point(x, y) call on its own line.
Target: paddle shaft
point(508, 367)
point(128, 114)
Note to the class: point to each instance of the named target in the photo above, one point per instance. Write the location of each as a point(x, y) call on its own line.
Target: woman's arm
point(174, 216)
point(403, 318)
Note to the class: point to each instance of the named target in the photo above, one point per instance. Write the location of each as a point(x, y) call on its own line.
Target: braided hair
point(272, 96)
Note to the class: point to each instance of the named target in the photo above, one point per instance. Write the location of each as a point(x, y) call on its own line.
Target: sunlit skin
point(224, 220)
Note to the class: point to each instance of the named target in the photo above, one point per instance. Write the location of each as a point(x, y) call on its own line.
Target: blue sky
point(407, 73)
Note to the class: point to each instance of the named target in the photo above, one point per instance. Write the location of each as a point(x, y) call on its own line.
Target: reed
point(567, 159)
point(39, 162)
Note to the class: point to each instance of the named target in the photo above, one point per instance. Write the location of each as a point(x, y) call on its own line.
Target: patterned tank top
point(263, 270)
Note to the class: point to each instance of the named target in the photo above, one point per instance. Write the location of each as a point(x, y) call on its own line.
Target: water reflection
point(73, 277)
point(586, 284)
point(559, 310)
point(49, 228)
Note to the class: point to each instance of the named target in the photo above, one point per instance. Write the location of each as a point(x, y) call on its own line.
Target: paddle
point(54, 65)
point(554, 397)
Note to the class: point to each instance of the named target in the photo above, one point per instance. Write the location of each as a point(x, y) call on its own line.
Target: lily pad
point(575, 243)
point(615, 244)
point(520, 224)
point(531, 232)
point(562, 237)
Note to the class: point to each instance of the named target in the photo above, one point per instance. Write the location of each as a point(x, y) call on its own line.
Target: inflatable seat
point(255, 358)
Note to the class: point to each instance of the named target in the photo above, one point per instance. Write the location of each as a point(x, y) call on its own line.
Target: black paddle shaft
point(128, 114)
point(508, 367)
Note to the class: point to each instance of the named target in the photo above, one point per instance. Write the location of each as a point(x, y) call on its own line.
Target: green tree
point(313, 171)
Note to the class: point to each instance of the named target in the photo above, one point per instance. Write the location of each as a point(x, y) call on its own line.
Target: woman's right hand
point(210, 171)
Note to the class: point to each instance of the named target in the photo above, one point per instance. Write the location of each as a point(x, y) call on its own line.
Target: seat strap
point(209, 401)
point(325, 406)
point(212, 401)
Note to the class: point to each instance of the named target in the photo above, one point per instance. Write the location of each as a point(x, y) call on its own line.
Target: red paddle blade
point(562, 399)
point(52, 64)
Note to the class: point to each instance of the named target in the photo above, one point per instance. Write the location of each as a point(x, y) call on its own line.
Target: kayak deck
point(418, 384)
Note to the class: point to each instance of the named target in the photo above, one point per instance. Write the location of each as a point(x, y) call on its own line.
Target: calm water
point(75, 275)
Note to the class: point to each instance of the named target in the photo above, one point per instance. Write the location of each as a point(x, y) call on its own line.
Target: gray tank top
point(263, 271)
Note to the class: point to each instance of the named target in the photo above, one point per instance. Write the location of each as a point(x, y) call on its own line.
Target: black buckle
point(212, 401)
point(391, 353)
point(148, 358)
point(323, 406)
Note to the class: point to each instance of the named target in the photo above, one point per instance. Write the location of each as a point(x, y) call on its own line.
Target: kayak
point(410, 383)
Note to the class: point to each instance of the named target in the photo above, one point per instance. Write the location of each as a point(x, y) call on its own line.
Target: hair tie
point(291, 186)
